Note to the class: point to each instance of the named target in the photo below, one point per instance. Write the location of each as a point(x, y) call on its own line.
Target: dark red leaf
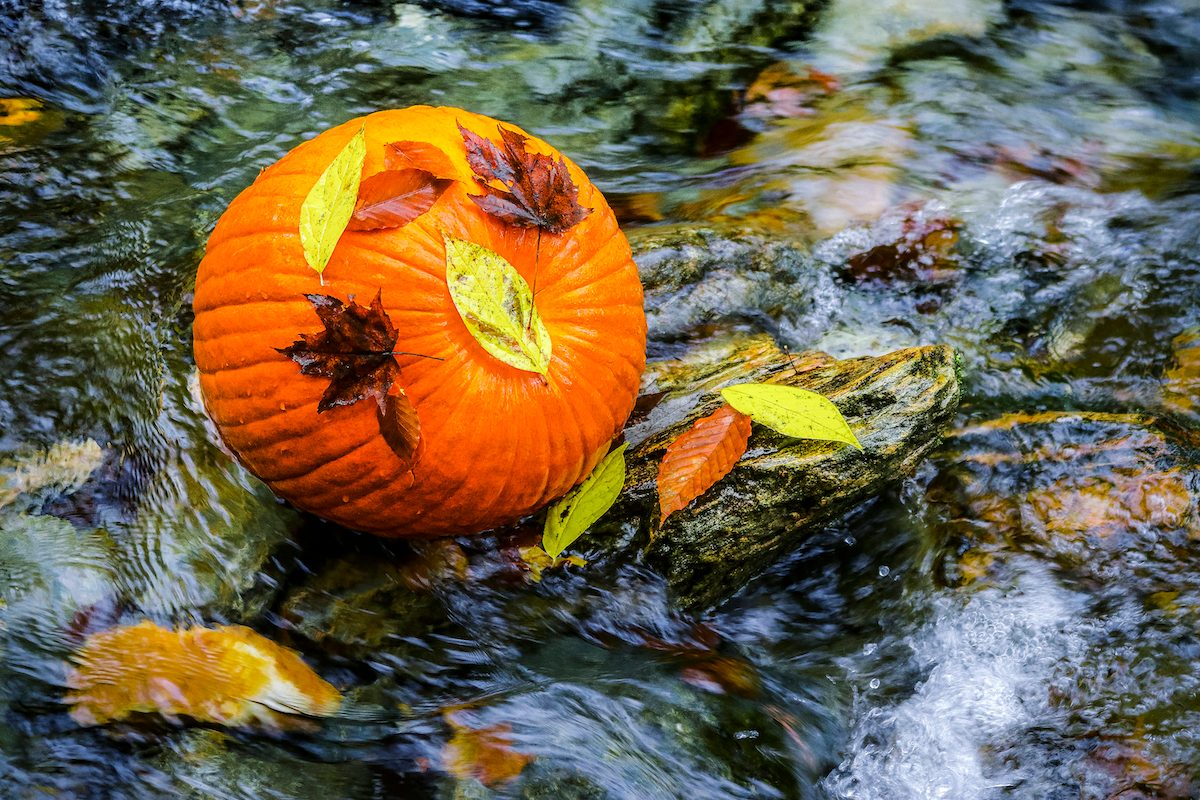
point(395, 198)
point(356, 352)
point(419, 155)
point(530, 190)
point(700, 457)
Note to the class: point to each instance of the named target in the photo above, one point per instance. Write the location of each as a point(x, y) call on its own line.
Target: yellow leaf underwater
point(16, 111)
point(227, 675)
point(330, 203)
point(496, 305)
point(791, 411)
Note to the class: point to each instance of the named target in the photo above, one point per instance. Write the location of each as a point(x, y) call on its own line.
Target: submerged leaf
point(356, 353)
point(496, 305)
point(485, 754)
point(394, 198)
point(700, 457)
point(330, 203)
point(537, 192)
point(791, 411)
point(419, 155)
point(567, 519)
point(537, 561)
point(227, 675)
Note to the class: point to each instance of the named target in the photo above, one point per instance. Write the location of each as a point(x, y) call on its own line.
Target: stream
point(1019, 179)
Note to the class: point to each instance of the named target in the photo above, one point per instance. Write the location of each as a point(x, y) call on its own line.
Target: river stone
point(783, 488)
point(1110, 499)
point(729, 272)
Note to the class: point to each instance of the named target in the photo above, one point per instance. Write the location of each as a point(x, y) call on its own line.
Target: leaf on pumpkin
point(700, 457)
point(496, 305)
point(229, 675)
point(394, 198)
point(567, 519)
point(791, 411)
point(534, 191)
point(484, 754)
point(356, 353)
point(330, 203)
point(419, 155)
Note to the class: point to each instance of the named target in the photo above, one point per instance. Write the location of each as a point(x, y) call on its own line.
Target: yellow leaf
point(228, 675)
point(330, 203)
point(791, 411)
point(496, 305)
point(572, 515)
point(15, 111)
point(537, 561)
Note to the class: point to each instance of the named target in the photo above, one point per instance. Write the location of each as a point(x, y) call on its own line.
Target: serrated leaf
point(701, 456)
point(538, 191)
point(496, 305)
point(330, 203)
point(791, 411)
point(567, 519)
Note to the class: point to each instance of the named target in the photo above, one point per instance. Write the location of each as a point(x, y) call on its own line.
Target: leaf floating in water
point(330, 203)
point(700, 457)
point(496, 305)
point(567, 519)
point(16, 111)
point(226, 675)
point(356, 353)
point(420, 155)
point(394, 198)
point(537, 561)
point(484, 754)
point(537, 191)
point(791, 411)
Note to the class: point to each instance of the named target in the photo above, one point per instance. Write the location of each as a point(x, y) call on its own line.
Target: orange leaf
point(419, 155)
point(395, 198)
point(485, 754)
point(700, 457)
point(227, 675)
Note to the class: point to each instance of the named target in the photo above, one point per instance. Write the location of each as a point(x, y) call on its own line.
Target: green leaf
point(572, 515)
point(330, 203)
point(791, 411)
point(496, 305)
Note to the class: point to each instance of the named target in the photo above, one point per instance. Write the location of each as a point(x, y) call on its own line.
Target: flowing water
point(1018, 179)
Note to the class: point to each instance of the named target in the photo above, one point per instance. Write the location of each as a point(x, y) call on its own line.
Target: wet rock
point(202, 764)
point(728, 273)
point(1110, 499)
point(856, 34)
point(782, 488)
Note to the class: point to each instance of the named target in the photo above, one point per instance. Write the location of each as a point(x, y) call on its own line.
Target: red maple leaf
point(533, 191)
point(356, 353)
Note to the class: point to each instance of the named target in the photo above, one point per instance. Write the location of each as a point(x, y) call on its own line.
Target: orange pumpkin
point(497, 442)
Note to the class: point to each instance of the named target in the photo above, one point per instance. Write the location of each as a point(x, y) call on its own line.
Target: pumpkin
point(496, 442)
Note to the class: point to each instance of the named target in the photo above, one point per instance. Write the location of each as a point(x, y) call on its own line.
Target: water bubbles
point(884, 571)
point(874, 684)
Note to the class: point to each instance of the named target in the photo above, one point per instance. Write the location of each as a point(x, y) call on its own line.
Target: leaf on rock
point(496, 305)
point(534, 191)
point(394, 198)
point(356, 353)
point(791, 411)
point(537, 561)
point(700, 457)
point(485, 754)
point(330, 203)
point(567, 519)
point(419, 155)
point(228, 675)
